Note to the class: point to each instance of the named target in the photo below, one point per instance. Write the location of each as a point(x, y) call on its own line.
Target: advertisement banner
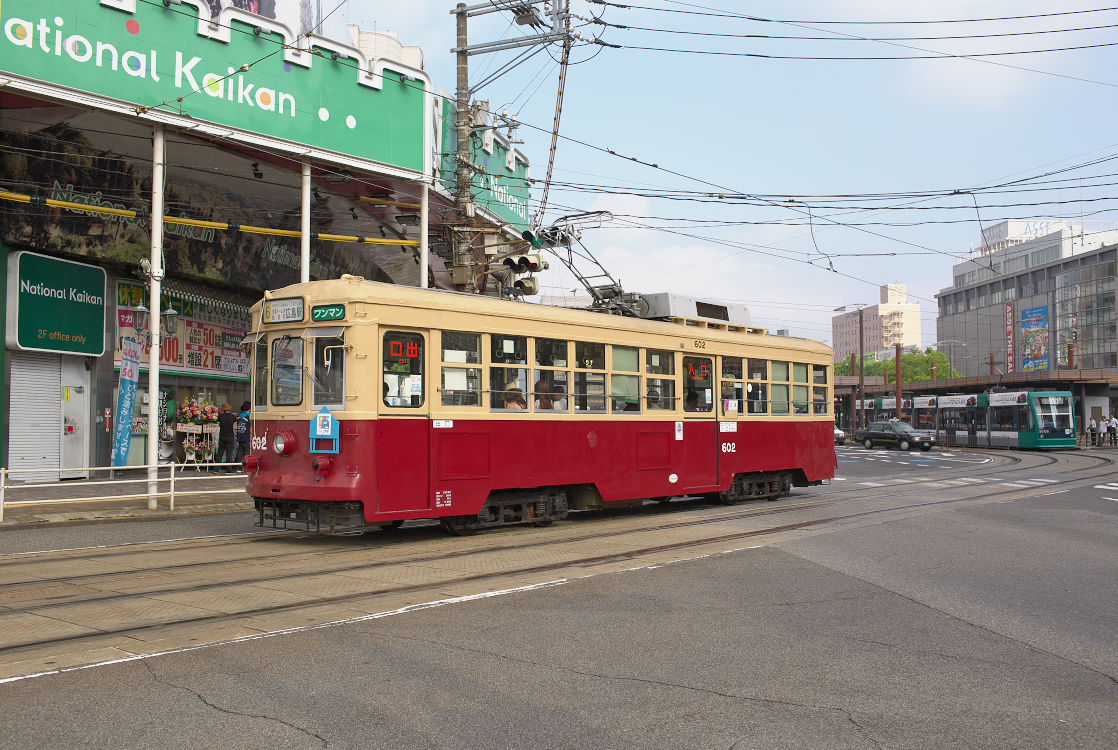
point(126, 400)
point(207, 341)
point(1034, 339)
point(213, 63)
point(1010, 331)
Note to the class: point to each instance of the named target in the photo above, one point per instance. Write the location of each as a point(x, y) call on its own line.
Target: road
point(939, 599)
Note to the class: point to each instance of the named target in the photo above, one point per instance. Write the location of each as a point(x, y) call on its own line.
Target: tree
point(915, 366)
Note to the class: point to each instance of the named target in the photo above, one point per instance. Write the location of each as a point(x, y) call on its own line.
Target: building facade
point(894, 320)
point(1036, 297)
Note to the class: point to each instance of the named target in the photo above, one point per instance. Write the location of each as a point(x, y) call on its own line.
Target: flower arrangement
point(192, 412)
point(197, 448)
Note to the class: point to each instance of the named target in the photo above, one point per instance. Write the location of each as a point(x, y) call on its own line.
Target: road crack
point(205, 701)
point(642, 680)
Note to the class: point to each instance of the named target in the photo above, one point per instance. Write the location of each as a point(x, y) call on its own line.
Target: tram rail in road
point(93, 606)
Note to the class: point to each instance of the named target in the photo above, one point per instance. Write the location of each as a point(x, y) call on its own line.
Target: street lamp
point(953, 343)
point(861, 360)
point(168, 322)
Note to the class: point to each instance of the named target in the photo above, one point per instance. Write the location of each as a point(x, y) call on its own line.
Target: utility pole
point(993, 369)
point(861, 362)
point(897, 357)
point(525, 13)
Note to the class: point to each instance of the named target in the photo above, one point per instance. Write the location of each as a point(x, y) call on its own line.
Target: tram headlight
point(283, 443)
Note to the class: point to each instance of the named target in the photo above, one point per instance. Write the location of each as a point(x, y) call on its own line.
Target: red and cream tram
point(374, 404)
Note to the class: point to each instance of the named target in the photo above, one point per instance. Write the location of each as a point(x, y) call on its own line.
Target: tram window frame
point(732, 368)
point(819, 375)
point(260, 369)
point(821, 402)
point(590, 355)
point(780, 403)
point(779, 372)
point(1008, 418)
point(659, 362)
point(630, 356)
point(800, 373)
point(659, 394)
point(628, 402)
point(543, 344)
point(757, 406)
point(458, 350)
point(547, 400)
point(504, 383)
point(507, 353)
point(733, 393)
point(699, 383)
point(276, 379)
point(589, 392)
point(332, 350)
point(418, 359)
point(757, 368)
point(801, 399)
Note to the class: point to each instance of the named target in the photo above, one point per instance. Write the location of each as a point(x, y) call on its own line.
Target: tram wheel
point(543, 522)
point(392, 525)
point(457, 527)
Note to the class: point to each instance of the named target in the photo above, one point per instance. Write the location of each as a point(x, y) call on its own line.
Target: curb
point(39, 519)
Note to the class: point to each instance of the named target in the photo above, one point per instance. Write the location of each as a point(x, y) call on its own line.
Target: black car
point(899, 434)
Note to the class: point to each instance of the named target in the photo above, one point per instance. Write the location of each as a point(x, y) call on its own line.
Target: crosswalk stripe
point(872, 484)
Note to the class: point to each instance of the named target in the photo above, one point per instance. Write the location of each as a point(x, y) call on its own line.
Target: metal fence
point(137, 484)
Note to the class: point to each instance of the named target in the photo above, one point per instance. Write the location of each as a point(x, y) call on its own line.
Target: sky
point(798, 132)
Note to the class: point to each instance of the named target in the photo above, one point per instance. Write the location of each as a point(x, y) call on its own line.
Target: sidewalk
point(216, 494)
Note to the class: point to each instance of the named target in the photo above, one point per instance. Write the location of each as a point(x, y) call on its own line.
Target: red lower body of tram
point(477, 474)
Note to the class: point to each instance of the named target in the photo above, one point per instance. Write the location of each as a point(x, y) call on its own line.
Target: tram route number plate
point(283, 310)
point(442, 424)
point(328, 312)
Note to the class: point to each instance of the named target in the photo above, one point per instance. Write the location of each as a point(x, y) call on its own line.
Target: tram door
point(700, 425)
point(403, 427)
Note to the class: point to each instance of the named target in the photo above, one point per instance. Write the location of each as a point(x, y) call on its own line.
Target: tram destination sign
point(55, 305)
point(283, 310)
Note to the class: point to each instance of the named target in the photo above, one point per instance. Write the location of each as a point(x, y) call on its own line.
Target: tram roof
point(355, 289)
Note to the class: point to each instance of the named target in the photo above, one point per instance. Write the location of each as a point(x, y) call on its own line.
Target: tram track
point(534, 543)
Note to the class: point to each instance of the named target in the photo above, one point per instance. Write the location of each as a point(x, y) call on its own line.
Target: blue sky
point(798, 128)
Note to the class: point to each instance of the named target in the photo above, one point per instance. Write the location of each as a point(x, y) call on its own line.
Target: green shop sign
point(55, 305)
point(236, 75)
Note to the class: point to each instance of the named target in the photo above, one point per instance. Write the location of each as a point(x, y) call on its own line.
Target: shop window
point(287, 371)
point(403, 369)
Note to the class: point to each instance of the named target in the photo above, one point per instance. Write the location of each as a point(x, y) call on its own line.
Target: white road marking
point(1115, 499)
point(872, 484)
point(1060, 492)
point(1013, 484)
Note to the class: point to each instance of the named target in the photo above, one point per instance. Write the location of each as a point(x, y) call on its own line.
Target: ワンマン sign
point(250, 76)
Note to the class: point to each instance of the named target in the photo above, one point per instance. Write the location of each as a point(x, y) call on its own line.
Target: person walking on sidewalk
point(243, 430)
point(226, 438)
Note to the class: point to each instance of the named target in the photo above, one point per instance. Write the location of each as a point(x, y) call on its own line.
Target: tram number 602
point(729, 447)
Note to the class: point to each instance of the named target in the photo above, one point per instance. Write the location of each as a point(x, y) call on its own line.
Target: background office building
point(893, 321)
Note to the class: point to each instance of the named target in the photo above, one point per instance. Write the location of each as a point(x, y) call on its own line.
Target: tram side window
point(552, 353)
point(403, 369)
point(510, 350)
point(799, 399)
point(758, 369)
point(781, 403)
point(461, 386)
point(757, 395)
point(550, 390)
point(287, 371)
point(819, 374)
point(1008, 418)
point(625, 393)
point(660, 394)
point(733, 398)
point(507, 388)
point(260, 386)
point(820, 403)
point(590, 392)
point(329, 371)
point(590, 355)
point(799, 372)
point(698, 375)
point(659, 362)
point(626, 358)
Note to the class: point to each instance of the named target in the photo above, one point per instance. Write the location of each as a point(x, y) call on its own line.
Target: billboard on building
point(1034, 339)
point(242, 70)
point(1010, 339)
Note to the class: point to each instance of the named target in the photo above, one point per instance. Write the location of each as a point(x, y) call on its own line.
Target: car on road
point(840, 436)
point(900, 435)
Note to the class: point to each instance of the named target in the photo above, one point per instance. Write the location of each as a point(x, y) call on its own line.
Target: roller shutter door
point(35, 415)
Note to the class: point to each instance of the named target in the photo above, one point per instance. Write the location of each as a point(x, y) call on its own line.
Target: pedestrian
point(1104, 427)
point(243, 431)
point(1092, 432)
point(226, 437)
point(1114, 430)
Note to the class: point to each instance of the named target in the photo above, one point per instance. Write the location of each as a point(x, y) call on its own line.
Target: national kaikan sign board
point(252, 77)
point(55, 305)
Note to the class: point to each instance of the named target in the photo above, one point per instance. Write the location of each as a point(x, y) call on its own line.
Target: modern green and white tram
point(1008, 419)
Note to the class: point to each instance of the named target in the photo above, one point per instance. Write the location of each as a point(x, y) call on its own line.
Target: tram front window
point(1054, 413)
point(403, 369)
point(287, 371)
point(329, 369)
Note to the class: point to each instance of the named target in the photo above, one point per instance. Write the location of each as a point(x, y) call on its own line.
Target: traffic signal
point(528, 263)
point(532, 238)
point(529, 285)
